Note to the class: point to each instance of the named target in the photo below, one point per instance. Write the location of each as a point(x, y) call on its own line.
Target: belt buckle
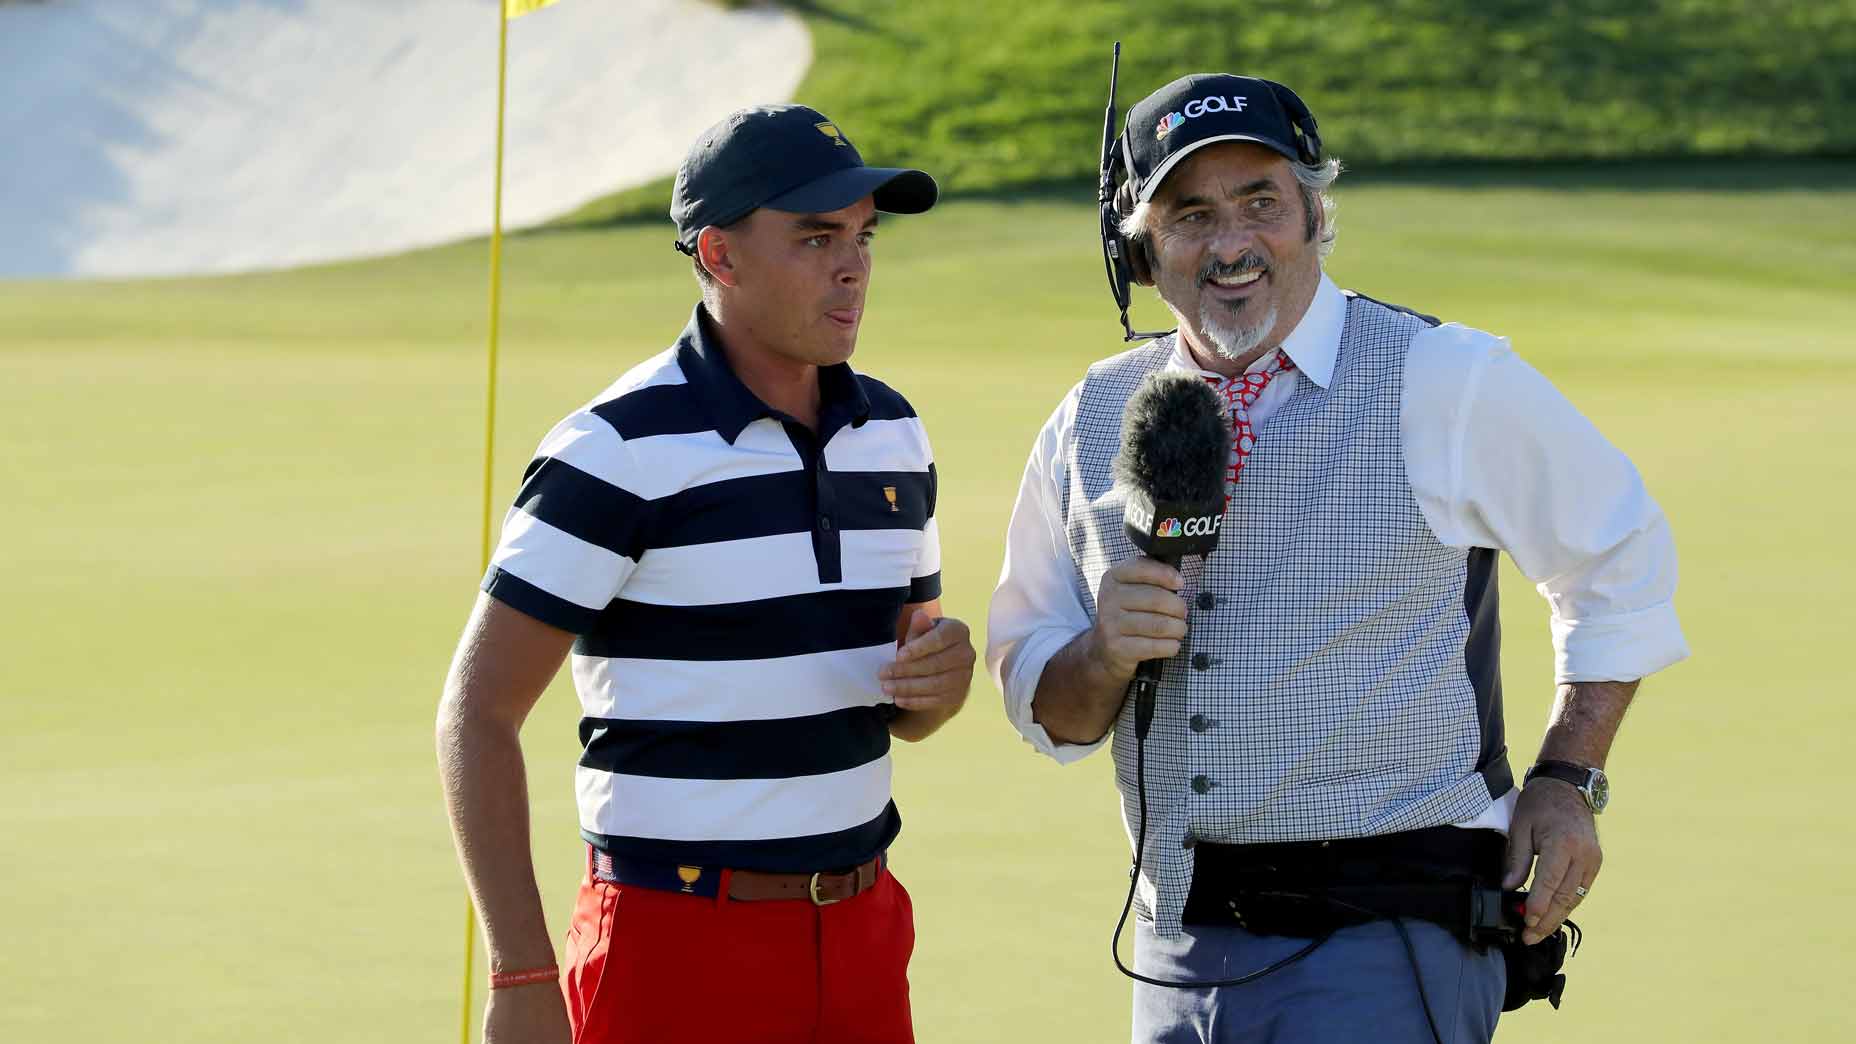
point(812, 892)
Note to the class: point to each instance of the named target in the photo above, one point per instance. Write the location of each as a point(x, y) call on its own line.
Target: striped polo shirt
point(735, 581)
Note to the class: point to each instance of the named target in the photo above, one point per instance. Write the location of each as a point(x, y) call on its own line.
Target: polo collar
point(1313, 345)
point(731, 406)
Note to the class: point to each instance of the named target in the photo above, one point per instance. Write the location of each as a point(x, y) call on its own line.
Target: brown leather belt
point(821, 889)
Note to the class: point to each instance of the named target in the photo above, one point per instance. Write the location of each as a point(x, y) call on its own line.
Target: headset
point(1126, 260)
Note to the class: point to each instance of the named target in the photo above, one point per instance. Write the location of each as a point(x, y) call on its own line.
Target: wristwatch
point(1591, 783)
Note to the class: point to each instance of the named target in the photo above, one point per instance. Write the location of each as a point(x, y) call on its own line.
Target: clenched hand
point(933, 667)
point(1139, 616)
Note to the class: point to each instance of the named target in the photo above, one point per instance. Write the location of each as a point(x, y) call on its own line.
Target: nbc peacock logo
point(1170, 528)
point(1167, 123)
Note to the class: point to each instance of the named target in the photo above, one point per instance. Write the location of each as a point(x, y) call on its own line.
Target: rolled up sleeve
point(1036, 609)
point(1499, 458)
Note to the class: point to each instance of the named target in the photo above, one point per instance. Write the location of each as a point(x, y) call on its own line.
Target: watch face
point(1598, 790)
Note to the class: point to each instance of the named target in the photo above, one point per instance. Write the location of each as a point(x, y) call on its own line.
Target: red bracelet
point(500, 980)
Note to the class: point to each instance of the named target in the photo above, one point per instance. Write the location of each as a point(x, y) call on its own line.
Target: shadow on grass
point(828, 13)
point(810, 8)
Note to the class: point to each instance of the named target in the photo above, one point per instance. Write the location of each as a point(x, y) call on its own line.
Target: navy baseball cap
point(783, 157)
point(1199, 110)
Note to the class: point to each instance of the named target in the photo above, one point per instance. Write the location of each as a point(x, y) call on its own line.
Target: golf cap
point(783, 157)
point(1206, 108)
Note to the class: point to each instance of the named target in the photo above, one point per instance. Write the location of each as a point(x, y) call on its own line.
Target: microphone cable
point(1141, 726)
point(1134, 878)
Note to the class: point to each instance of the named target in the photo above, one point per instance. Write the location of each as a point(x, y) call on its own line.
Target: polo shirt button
point(1207, 600)
point(1201, 661)
point(1201, 785)
point(1199, 723)
point(824, 522)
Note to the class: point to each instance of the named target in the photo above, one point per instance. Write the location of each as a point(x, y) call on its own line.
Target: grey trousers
point(1358, 986)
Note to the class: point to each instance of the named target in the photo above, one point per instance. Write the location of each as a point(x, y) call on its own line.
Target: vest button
point(1201, 785)
point(1201, 661)
point(1199, 723)
point(1207, 600)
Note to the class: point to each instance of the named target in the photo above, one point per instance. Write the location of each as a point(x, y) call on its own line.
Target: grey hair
point(1315, 181)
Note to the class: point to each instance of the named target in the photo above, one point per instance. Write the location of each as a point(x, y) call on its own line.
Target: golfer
point(737, 540)
point(1332, 716)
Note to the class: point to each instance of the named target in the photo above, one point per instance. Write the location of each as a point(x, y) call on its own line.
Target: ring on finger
point(1579, 890)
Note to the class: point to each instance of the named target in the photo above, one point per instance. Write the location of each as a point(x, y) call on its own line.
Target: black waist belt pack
point(1446, 875)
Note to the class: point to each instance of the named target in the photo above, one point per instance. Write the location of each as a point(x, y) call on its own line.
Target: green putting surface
point(243, 536)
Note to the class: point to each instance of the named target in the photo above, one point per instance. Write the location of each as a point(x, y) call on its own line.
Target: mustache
point(1249, 262)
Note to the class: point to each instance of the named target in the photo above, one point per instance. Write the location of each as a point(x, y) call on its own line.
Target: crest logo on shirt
point(889, 494)
point(689, 876)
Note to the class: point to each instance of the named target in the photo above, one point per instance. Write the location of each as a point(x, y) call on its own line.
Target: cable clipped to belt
point(1134, 877)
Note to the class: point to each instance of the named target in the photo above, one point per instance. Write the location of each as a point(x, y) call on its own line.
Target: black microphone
point(1175, 444)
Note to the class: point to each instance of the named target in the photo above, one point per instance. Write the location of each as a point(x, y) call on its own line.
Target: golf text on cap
point(1198, 107)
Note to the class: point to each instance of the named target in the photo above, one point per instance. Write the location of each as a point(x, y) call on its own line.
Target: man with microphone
point(1324, 786)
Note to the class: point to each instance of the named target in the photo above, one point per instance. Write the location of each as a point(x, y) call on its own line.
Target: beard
point(1232, 334)
point(1234, 328)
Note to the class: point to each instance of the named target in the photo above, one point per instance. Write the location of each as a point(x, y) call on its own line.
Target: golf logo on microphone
point(1180, 529)
point(1204, 525)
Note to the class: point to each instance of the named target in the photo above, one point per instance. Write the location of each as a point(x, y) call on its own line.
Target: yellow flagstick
point(504, 11)
point(489, 430)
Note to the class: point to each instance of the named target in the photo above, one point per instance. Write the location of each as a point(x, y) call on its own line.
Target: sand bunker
point(164, 137)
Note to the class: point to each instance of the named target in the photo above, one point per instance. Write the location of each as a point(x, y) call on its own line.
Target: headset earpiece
point(1140, 266)
point(1307, 135)
point(1115, 254)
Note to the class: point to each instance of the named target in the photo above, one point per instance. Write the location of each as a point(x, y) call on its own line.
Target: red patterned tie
point(1240, 394)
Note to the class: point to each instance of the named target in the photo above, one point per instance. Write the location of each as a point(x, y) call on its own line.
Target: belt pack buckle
point(812, 892)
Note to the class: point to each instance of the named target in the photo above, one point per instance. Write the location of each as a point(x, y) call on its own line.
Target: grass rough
point(243, 539)
point(996, 98)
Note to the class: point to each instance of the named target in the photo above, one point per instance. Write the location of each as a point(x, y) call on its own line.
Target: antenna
point(1115, 246)
point(1105, 189)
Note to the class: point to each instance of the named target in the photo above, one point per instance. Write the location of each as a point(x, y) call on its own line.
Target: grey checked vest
point(1340, 678)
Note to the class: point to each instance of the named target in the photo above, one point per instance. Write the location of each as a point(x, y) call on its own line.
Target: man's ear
point(712, 249)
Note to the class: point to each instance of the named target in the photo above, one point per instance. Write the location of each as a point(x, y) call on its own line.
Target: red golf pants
point(644, 966)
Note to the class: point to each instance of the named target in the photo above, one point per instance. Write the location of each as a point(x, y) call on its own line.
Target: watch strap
point(1564, 771)
point(1591, 783)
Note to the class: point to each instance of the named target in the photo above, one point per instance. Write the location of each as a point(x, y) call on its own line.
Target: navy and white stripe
point(735, 582)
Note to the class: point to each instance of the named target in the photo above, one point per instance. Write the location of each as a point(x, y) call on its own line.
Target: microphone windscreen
point(1175, 440)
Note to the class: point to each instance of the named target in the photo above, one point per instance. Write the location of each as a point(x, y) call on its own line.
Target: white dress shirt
point(1496, 457)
